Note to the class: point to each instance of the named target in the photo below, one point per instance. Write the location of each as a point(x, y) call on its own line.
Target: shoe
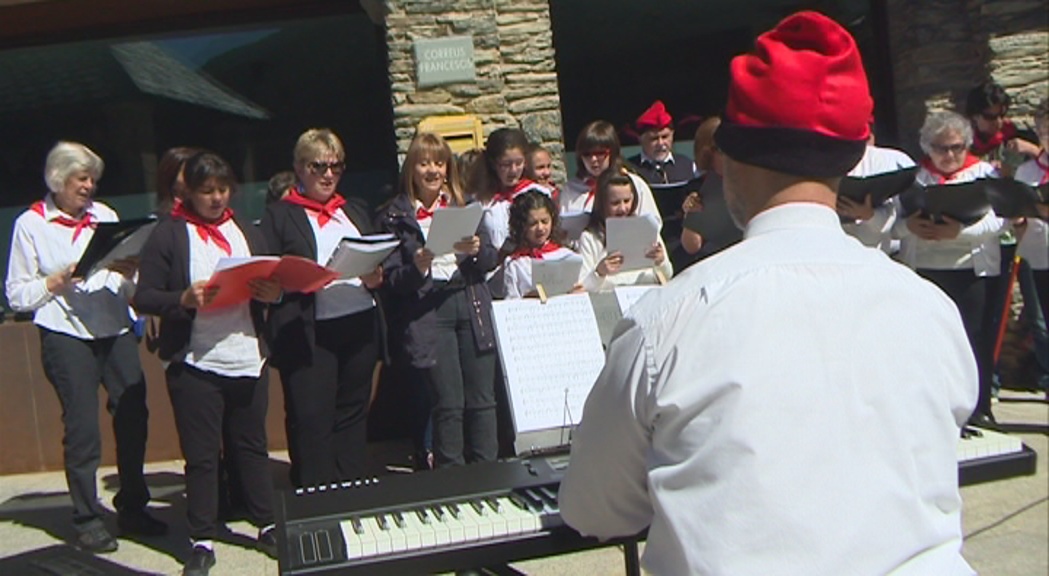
point(141, 523)
point(94, 538)
point(267, 542)
point(200, 562)
point(985, 421)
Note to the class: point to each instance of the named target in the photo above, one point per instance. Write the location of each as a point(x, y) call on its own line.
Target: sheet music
point(608, 314)
point(130, 246)
point(557, 276)
point(450, 225)
point(627, 296)
point(355, 257)
point(573, 223)
point(632, 236)
point(545, 350)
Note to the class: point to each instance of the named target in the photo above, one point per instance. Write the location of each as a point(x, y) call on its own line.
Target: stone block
point(437, 96)
point(489, 104)
point(522, 78)
point(535, 104)
point(521, 91)
point(542, 126)
point(423, 110)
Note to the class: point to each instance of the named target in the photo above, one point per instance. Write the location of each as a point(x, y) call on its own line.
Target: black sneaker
point(94, 538)
point(267, 542)
point(141, 523)
point(200, 562)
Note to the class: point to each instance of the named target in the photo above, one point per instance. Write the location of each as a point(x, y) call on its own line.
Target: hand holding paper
point(632, 237)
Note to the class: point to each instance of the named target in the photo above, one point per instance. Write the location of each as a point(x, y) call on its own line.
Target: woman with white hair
point(85, 338)
point(961, 259)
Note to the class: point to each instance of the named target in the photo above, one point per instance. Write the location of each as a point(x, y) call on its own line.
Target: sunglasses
point(596, 154)
point(952, 149)
point(320, 168)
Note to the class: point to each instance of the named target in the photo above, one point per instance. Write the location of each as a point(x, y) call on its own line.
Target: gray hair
point(939, 123)
point(67, 158)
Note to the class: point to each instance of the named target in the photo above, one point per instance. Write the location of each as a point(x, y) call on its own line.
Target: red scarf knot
point(509, 194)
point(204, 228)
point(984, 145)
point(423, 214)
point(536, 253)
point(325, 212)
point(86, 220)
point(591, 183)
point(944, 177)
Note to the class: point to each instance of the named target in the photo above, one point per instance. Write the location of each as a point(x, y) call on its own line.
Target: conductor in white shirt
point(684, 431)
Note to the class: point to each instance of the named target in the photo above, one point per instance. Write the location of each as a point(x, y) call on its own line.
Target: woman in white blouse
point(85, 338)
point(959, 258)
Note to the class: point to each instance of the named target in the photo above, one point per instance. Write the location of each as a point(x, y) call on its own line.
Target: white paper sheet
point(573, 223)
point(557, 276)
point(551, 355)
point(355, 257)
point(632, 236)
point(451, 225)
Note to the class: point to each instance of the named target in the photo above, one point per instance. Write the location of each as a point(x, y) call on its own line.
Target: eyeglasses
point(320, 168)
point(954, 149)
point(991, 116)
point(596, 154)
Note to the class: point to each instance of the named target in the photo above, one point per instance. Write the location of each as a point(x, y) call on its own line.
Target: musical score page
point(551, 355)
point(627, 296)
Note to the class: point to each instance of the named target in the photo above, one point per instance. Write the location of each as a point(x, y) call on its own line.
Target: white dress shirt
point(764, 413)
point(518, 271)
point(223, 340)
point(976, 248)
point(1034, 246)
point(592, 249)
point(877, 231)
point(575, 197)
point(96, 307)
point(341, 297)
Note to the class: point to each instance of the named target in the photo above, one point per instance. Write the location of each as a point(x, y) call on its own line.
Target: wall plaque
point(444, 60)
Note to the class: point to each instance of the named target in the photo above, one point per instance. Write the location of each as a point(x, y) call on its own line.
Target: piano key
point(441, 531)
point(352, 538)
point(478, 507)
point(456, 528)
point(483, 524)
point(418, 534)
point(469, 520)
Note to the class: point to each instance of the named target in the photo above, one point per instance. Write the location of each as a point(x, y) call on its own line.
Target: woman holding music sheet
point(443, 306)
point(216, 358)
point(958, 258)
point(535, 230)
point(616, 197)
point(85, 338)
point(326, 344)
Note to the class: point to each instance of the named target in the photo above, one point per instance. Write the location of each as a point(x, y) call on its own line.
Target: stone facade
point(516, 82)
point(942, 48)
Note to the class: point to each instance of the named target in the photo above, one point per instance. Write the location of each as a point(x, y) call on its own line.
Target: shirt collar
point(792, 216)
point(668, 162)
point(51, 210)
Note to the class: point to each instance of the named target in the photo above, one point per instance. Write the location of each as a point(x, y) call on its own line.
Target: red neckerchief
point(591, 183)
point(325, 212)
point(509, 195)
point(943, 178)
point(536, 253)
point(555, 193)
point(87, 220)
point(422, 213)
point(1044, 167)
point(983, 146)
point(204, 228)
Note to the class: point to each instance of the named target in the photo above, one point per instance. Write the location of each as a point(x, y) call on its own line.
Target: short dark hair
point(597, 134)
point(205, 165)
point(279, 184)
point(984, 96)
point(523, 205)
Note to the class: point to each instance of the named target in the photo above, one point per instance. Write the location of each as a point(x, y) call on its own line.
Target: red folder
point(295, 274)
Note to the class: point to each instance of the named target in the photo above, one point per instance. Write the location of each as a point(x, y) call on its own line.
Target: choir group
point(428, 314)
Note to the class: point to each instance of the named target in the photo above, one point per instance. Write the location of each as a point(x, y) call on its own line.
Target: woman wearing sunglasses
point(325, 344)
point(597, 149)
point(995, 138)
point(962, 259)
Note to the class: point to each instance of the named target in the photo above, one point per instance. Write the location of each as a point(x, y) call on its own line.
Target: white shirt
point(223, 340)
point(443, 266)
point(592, 249)
point(576, 197)
point(93, 308)
point(1034, 246)
point(756, 418)
point(876, 232)
point(344, 296)
point(976, 248)
point(518, 271)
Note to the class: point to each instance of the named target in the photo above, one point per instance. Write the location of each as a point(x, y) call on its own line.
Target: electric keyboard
point(464, 517)
point(986, 455)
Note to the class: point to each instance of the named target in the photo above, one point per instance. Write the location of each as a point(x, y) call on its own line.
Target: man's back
point(798, 411)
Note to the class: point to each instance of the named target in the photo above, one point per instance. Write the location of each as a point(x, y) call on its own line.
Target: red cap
point(802, 91)
point(655, 118)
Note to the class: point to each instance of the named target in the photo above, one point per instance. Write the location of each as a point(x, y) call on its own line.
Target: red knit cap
point(799, 103)
point(655, 118)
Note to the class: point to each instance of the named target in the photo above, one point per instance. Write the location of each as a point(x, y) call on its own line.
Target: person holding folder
point(85, 338)
point(215, 357)
point(617, 197)
point(536, 232)
point(443, 307)
point(870, 224)
point(960, 259)
point(1034, 232)
point(325, 344)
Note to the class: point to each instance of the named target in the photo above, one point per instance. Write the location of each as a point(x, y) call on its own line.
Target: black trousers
point(1041, 286)
point(75, 367)
point(326, 401)
point(462, 385)
point(970, 294)
point(203, 402)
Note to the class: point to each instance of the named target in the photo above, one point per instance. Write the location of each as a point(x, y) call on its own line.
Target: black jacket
point(679, 172)
point(286, 230)
point(411, 297)
point(163, 275)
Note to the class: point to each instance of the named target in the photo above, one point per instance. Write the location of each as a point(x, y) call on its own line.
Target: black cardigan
point(163, 275)
point(291, 327)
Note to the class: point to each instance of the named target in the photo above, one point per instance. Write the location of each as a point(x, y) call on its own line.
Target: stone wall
point(516, 77)
point(942, 48)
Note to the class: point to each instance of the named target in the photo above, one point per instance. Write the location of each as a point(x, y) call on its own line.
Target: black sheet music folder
point(669, 197)
point(108, 236)
point(966, 202)
point(880, 187)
